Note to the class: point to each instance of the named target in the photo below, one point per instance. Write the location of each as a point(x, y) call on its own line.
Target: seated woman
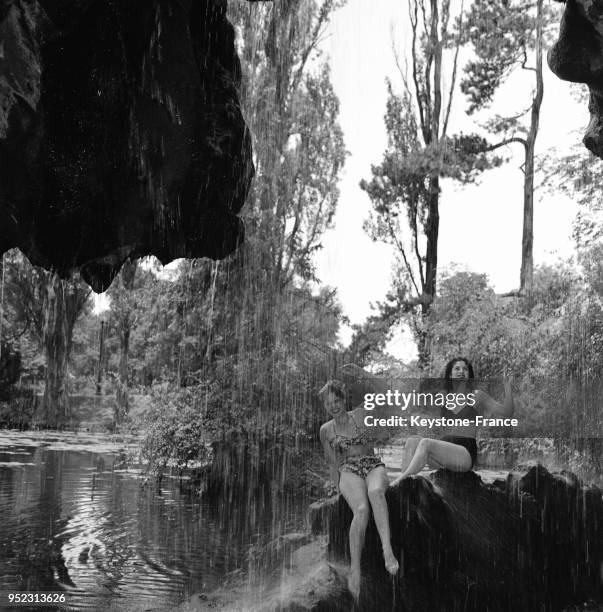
point(457, 450)
point(359, 475)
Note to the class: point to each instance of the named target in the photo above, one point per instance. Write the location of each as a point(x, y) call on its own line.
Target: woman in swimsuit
point(457, 450)
point(359, 475)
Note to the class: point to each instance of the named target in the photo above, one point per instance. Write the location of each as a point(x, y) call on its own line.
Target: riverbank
point(87, 412)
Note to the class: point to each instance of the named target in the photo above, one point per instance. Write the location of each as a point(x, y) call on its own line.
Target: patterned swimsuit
point(361, 465)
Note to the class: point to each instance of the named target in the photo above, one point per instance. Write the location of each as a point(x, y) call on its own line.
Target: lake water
point(75, 520)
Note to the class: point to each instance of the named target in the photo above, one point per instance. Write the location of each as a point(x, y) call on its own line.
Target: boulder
point(532, 541)
point(578, 56)
point(121, 133)
point(307, 581)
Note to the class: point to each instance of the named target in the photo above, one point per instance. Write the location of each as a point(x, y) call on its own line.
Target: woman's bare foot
point(391, 563)
point(354, 583)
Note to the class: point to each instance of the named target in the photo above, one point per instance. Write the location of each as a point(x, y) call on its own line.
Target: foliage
point(292, 111)
point(578, 174)
point(177, 433)
point(502, 36)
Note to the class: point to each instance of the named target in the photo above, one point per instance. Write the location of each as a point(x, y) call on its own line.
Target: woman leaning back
point(457, 449)
point(359, 474)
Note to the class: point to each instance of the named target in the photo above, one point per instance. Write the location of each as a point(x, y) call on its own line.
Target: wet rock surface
point(306, 581)
point(530, 542)
point(121, 133)
point(578, 56)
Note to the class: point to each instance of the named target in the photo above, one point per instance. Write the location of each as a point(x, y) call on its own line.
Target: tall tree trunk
point(121, 395)
point(431, 270)
point(526, 279)
point(127, 275)
point(423, 344)
point(431, 251)
point(54, 410)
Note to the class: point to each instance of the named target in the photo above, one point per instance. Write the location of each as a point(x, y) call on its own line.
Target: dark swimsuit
point(467, 412)
point(361, 465)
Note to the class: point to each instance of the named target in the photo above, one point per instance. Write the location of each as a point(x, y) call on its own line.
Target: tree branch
point(415, 233)
point(322, 16)
point(414, 24)
point(436, 45)
point(402, 251)
point(402, 72)
point(524, 65)
point(502, 143)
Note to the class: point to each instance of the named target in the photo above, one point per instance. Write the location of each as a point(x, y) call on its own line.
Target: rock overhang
point(577, 56)
point(121, 133)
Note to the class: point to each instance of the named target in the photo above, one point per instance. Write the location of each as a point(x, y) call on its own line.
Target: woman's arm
point(378, 385)
point(490, 407)
point(383, 400)
point(330, 456)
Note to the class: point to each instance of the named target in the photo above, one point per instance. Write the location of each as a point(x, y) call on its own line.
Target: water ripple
point(72, 522)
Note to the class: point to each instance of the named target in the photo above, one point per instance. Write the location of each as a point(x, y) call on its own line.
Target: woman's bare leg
point(353, 489)
point(439, 454)
point(377, 482)
point(409, 451)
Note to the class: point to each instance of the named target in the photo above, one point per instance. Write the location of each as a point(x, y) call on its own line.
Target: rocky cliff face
point(578, 56)
point(121, 133)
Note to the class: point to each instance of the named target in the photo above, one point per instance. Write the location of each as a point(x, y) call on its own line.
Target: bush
point(176, 430)
point(18, 411)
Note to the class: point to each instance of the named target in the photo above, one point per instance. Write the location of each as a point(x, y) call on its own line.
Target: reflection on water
point(75, 520)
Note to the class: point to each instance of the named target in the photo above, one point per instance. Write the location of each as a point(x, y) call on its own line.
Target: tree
point(291, 109)
point(506, 35)
point(64, 302)
point(292, 112)
point(48, 307)
point(125, 308)
point(406, 189)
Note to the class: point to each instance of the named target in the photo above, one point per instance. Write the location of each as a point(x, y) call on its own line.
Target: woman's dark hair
point(333, 386)
point(448, 371)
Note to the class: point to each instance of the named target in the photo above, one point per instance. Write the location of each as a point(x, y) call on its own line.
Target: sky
point(480, 225)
